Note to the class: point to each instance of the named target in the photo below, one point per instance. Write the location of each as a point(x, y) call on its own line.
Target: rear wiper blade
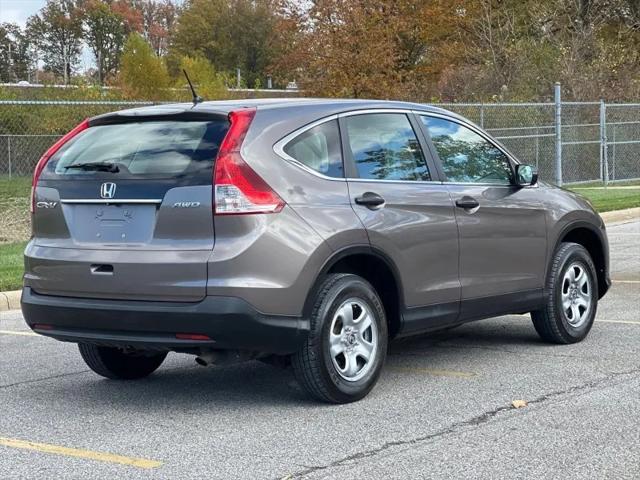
point(96, 166)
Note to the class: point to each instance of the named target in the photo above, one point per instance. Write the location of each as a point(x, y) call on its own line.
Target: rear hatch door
point(124, 209)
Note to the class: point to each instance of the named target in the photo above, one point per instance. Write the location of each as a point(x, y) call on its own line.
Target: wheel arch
point(374, 266)
point(591, 238)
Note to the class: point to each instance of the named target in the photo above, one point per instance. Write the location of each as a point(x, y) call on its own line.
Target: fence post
point(537, 148)
point(604, 160)
point(9, 153)
point(482, 115)
point(613, 156)
point(558, 124)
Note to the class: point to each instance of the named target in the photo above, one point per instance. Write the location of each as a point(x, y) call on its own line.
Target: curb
point(10, 300)
point(617, 216)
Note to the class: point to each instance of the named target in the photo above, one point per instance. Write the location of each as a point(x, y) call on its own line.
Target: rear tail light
point(42, 326)
point(50, 152)
point(238, 188)
point(192, 336)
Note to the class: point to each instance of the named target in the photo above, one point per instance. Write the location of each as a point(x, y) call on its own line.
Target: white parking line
point(433, 371)
point(627, 322)
point(18, 332)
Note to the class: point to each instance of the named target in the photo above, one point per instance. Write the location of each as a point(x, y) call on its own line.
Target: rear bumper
point(230, 323)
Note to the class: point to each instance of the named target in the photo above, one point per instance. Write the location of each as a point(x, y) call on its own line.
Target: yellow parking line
point(17, 332)
point(437, 373)
point(626, 281)
point(79, 453)
point(628, 322)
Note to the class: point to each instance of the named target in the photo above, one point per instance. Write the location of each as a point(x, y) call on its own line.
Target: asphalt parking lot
point(443, 407)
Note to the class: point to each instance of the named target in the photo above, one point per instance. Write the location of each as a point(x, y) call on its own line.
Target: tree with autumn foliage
point(209, 83)
point(57, 32)
point(105, 35)
point(15, 60)
point(159, 20)
point(516, 49)
point(369, 48)
point(143, 75)
point(472, 50)
point(229, 33)
point(421, 50)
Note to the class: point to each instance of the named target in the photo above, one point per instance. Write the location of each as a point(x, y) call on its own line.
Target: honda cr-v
point(303, 232)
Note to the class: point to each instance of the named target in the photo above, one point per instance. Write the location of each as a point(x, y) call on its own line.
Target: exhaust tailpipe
point(220, 357)
point(209, 358)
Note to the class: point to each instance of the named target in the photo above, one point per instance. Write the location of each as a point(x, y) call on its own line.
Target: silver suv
point(300, 232)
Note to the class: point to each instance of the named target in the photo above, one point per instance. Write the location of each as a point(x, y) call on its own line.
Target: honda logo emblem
point(108, 190)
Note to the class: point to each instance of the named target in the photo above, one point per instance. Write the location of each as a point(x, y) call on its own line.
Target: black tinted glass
point(385, 147)
point(319, 149)
point(157, 149)
point(466, 156)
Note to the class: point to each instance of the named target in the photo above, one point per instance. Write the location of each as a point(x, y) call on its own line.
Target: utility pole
point(35, 57)
point(64, 57)
point(100, 68)
point(11, 70)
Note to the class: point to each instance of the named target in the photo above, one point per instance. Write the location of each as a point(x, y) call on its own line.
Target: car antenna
point(196, 98)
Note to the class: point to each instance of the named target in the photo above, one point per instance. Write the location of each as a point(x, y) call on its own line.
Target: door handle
point(370, 200)
point(467, 202)
point(102, 269)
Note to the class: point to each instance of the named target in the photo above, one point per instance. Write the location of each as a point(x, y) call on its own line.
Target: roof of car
point(269, 103)
point(223, 106)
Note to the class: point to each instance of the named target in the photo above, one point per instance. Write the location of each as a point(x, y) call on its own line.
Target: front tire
point(347, 343)
point(116, 364)
point(572, 297)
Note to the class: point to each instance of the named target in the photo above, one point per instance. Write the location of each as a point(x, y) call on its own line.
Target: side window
point(466, 156)
point(385, 147)
point(319, 149)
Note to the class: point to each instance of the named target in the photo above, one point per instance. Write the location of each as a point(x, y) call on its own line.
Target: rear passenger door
point(407, 212)
point(501, 225)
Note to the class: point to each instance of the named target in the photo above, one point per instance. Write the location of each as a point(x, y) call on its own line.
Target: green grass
point(14, 209)
point(11, 266)
point(14, 187)
point(612, 198)
point(599, 184)
point(14, 193)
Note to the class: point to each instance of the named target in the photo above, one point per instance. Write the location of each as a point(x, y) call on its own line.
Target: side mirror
point(526, 175)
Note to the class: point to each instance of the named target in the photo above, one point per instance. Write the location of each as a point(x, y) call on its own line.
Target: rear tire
point(115, 364)
point(572, 297)
point(347, 343)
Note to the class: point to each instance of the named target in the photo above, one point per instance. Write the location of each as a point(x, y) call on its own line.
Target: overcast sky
point(17, 11)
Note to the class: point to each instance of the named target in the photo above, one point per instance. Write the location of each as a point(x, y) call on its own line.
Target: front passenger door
point(501, 226)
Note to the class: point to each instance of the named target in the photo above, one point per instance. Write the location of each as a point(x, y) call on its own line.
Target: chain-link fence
point(526, 129)
point(568, 142)
point(27, 128)
point(622, 141)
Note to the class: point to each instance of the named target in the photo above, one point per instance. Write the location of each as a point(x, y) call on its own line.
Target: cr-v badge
point(108, 190)
point(46, 204)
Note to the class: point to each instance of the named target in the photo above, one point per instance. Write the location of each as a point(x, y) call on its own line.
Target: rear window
point(156, 149)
